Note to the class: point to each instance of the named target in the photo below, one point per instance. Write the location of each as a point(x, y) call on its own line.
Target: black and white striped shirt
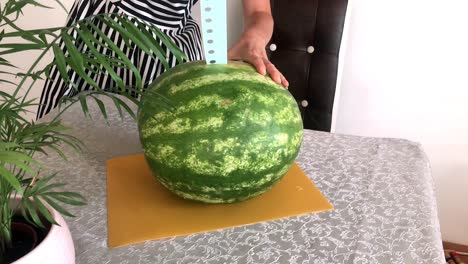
point(173, 17)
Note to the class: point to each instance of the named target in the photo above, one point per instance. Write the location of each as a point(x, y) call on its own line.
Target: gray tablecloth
point(382, 191)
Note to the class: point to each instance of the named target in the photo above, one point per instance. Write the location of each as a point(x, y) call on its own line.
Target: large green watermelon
point(218, 133)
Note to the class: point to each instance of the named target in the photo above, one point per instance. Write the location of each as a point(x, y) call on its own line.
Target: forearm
point(259, 25)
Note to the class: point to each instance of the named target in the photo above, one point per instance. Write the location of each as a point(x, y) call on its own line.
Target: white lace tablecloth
point(382, 191)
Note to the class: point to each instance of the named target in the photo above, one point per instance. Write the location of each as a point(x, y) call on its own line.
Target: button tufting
point(273, 47)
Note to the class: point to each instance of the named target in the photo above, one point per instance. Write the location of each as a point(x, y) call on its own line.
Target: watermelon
point(218, 133)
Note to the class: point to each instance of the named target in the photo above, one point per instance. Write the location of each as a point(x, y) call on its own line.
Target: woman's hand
point(252, 50)
point(257, 32)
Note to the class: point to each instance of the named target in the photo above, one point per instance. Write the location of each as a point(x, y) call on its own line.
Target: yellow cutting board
point(140, 208)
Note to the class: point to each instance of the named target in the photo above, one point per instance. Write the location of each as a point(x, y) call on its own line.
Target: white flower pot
point(56, 248)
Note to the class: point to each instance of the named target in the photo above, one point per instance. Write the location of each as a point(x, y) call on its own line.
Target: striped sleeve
point(165, 14)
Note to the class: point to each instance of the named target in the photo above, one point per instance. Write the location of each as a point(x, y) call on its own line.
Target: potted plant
point(31, 202)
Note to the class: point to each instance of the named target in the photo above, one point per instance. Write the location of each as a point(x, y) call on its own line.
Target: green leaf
point(127, 28)
point(60, 61)
point(150, 40)
point(63, 7)
point(83, 75)
point(15, 7)
point(87, 37)
point(42, 36)
point(134, 32)
point(178, 53)
point(4, 62)
point(44, 211)
point(42, 190)
point(46, 70)
point(110, 22)
point(8, 145)
point(125, 106)
point(40, 32)
point(72, 51)
point(24, 213)
point(35, 3)
point(59, 152)
point(33, 213)
point(16, 158)
point(17, 162)
point(120, 54)
point(68, 198)
point(93, 66)
point(66, 194)
point(42, 182)
point(18, 47)
point(32, 75)
point(57, 207)
point(7, 73)
point(11, 179)
point(154, 45)
point(101, 106)
point(19, 4)
point(117, 106)
point(76, 147)
point(6, 81)
point(30, 37)
point(84, 104)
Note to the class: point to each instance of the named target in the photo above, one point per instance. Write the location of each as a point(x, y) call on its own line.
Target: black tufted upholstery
point(316, 25)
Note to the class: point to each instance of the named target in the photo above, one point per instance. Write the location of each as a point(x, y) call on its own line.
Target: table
point(381, 188)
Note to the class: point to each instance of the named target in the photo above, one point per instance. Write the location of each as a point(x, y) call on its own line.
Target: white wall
point(405, 74)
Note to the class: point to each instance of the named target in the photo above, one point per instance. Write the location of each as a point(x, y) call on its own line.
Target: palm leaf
point(101, 106)
point(71, 198)
point(60, 61)
point(11, 179)
point(18, 47)
point(76, 63)
point(21, 32)
point(18, 159)
point(17, 6)
point(43, 210)
point(178, 53)
point(147, 39)
point(127, 62)
point(62, 6)
point(57, 207)
point(31, 209)
point(7, 81)
point(4, 62)
point(84, 104)
point(89, 39)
